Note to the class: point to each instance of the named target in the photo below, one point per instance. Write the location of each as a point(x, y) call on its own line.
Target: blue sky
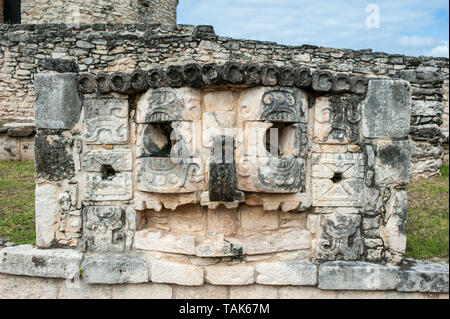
point(411, 27)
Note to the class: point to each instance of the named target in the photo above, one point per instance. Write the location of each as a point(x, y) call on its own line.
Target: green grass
point(428, 220)
point(17, 202)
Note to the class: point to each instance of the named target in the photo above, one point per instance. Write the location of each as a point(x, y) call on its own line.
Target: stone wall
point(104, 48)
point(99, 11)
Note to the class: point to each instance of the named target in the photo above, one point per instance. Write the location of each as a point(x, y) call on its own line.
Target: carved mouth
point(283, 115)
point(159, 116)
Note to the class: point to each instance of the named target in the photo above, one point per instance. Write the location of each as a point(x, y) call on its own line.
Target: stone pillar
point(58, 109)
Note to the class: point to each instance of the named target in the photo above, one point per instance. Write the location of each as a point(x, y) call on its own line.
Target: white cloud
point(415, 41)
point(440, 50)
point(406, 26)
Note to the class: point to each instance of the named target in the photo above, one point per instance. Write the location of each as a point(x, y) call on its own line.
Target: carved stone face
point(222, 143)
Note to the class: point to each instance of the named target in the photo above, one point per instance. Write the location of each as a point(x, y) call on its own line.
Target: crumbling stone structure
point(24, 50)
point(93, 11)
point(171, 162)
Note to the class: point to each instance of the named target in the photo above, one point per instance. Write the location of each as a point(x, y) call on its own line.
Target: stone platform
point(27, 272)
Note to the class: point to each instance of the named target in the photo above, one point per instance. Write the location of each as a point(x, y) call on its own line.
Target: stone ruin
point(222, 175)
point(235, 178)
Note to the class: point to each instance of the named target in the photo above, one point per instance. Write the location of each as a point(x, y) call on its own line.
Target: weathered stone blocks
point(176, 273)
point(286, 273)
point(46, 196)
point(28, 261)
point(230, 275)
point(109, 268)
point(357, 275)
point(58, 105)
point(392, 163)
point(386, 110)
point(423, 276)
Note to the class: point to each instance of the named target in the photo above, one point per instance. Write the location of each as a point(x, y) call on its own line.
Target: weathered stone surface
point(103, 228)
point(336, 119)
point(392, 163)
point(166, 104)
point(54, 156)
point(19, 129)
point(394, 225)
point(58, 105)
point(46, 196)
point(230, 275)
point(98, 161)
point(253, 292)
point(204, 292)
point(142, 291)
point(254, 219)
point(296, 273)
point(386, 111)
point(108, 268)
point(165, 242)
point(357, 275)
point(105, 121)
point(340, 237)
point(338, 179)
point(28, 261)
point(78, 289)
point(423, 276)
point(24, 287)
point(104, 186)
point(176, 273)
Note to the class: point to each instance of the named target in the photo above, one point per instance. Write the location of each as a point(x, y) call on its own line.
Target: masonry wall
point(104, 48)
point(96, 11)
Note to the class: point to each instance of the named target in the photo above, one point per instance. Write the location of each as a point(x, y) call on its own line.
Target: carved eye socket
point(158, 139)
point(268, 99)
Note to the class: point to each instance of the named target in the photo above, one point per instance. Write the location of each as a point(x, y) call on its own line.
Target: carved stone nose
point(222, 170)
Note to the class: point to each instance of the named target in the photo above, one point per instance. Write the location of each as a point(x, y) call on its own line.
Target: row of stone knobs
point(214, 75)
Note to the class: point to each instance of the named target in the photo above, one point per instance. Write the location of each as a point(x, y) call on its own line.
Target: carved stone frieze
point(105, 121)
point(103, 228)
point(340, 237)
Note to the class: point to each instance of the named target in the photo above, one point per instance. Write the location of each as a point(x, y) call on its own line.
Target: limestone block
point(271, 174)
point(230, 275)
point(423, 276)
point(97, 161)
point(142, 291)
point(78, 289)
point(274, 104)
point(340, 237)
point(386, 111)
point(357, 275)
point(216, 245)
point(109, 268)
point(287, 202)
point(165, 242)
point(58, 105)
point(21, 287)
point(338, 179)
point(26, 149)
point(46, 196)
point(253, 218)
point(159, 201)
point(218, 123)
point(336, 119)
point(105, 121)
point(167, 105)
point(103, 228)
point(19, 129)
point(54, 156)
point(296, 273)
point(106, 187)
point(253, 292)
point(219, 101)
point(394, 226)
point(204, 292)
point(51, 263)
point(427, 108)
point(169, 175)
point(223, 221)
point(302, 292)
point(392, 163)
point(176, 273)
point(273, 241)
